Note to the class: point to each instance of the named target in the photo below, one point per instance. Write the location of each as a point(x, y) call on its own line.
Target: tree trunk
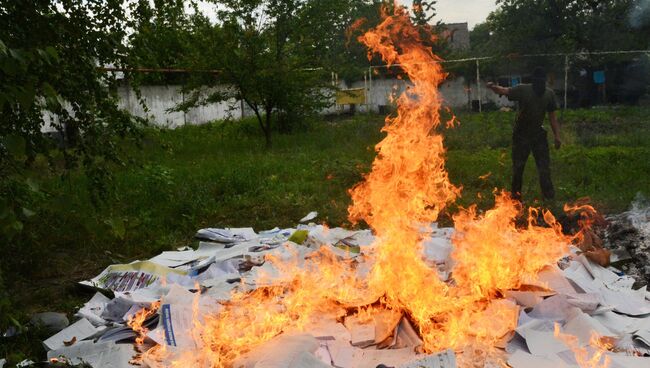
point(267, 130)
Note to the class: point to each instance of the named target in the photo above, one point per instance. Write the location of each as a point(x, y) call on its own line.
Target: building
point(457, 34)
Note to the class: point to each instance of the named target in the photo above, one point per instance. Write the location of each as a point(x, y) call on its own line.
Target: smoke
point(639, 214)
point(640, 13)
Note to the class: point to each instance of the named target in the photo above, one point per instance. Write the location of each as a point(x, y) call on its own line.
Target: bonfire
point(410, 303)
point(319, 297)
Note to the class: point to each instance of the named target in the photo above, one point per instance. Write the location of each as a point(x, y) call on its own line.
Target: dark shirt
point(532, 108)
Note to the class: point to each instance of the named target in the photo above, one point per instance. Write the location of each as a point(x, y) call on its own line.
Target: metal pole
point(478, 85)
point(365, 88)
point(369, 87)
point(566, 80)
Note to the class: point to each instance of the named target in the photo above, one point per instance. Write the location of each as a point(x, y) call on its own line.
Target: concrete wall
point(381, 92)
point(457, 34)
point(160, 99)
point(455, 94)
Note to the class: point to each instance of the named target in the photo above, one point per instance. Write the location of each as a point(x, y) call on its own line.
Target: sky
point(471, 11)
point(449, 11)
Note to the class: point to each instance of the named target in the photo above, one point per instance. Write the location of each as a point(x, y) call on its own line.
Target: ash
point(628, 237)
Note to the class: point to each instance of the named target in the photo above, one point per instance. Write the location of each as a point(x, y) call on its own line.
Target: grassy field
point(221, 175)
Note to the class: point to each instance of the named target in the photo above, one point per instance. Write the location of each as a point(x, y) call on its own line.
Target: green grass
point(605, 156)
point(221, 175)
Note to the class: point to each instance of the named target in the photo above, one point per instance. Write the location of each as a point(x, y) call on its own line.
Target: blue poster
point(599, 77)
point(515, 81)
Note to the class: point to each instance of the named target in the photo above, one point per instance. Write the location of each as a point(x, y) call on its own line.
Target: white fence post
point(478, 85)
point(566, 80)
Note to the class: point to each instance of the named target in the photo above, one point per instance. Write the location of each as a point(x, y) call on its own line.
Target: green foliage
point(49, 79)
point(330, 30)
point(163, 38)
point(423, 12)
point(530, 26)
point(550, 27)
point(48, 65)
point(264, 60)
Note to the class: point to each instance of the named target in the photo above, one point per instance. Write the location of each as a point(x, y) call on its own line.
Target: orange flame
point(588, 216)
point(586, 238)
point(407, 188)
point(584, 357)
point(356, 25)
point(135, 321)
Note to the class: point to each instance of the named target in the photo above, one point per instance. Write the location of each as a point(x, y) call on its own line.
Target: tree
point(530, 26)
point(423, 12)
point(49, 57)
point(330, 29)
point(162, 39)
point(50, 54)
point(263, 60)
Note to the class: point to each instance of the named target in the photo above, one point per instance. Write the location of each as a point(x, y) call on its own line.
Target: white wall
point(160, 99)
point(454, 93)
point(381, 92)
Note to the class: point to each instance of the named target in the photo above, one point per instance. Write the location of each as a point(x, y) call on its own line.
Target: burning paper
point(391, 295)
point(408, 187)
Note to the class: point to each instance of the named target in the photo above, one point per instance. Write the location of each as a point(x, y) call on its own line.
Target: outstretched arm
point(555, 126)
point(502, 91)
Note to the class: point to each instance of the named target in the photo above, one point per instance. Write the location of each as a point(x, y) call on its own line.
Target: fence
point(580, 79)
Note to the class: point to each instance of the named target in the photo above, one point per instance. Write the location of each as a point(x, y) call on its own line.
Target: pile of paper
point(225, 259)
point(591, 302)
point(583, 300)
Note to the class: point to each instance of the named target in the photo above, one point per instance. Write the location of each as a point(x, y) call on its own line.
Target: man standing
point(535, 100)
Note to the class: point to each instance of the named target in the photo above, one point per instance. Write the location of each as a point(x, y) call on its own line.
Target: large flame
point(409, 186)
point(406, 190)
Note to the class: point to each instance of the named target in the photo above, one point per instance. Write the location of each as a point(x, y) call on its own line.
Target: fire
point(588, 217)
point(584, 357)
point(586, 238)
point(321, 286)
point(409, 186)
point(407, 189)
point(136, 321)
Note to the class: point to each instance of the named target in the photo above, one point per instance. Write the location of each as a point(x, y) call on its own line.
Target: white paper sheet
point(175, 326)
point(555, 308)
point(642, 336)
point(617, 323)
point(583, 327)
point(521, 359)
point(445, 359)
point(76, 331)
point(622, 361)
point(100, 355)
point(310, 216)
point(544, 344)
point(134, 276)
point(362, 334)
point(552, 278)
point(284, 351)
point(526, 299)
point(93, 309)
point(626, 301)
point(371, 358)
